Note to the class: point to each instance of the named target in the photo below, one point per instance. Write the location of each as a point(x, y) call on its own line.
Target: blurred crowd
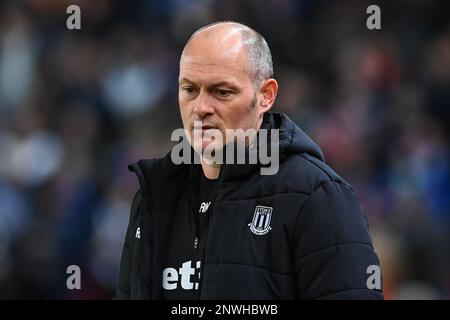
point(77, 106)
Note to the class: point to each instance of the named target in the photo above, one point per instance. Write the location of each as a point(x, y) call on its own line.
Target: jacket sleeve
point(333, 254)
point(123, 286)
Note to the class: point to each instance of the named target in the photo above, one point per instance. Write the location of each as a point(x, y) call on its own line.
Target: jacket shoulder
point(307, 173)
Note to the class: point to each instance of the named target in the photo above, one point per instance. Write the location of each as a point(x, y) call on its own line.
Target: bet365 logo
point(172, 277)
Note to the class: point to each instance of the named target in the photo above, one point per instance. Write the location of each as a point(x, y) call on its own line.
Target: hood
point(293, 140)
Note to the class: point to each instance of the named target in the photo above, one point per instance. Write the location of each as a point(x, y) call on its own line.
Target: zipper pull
point(195, 243)
point(281, 133)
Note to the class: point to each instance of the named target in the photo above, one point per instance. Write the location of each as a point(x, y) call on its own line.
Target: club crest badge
point(260, 224)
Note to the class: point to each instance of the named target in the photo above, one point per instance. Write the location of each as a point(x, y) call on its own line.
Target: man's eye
point(188, 89)
point(223, 92)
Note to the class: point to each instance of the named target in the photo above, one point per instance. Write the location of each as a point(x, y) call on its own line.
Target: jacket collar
point(292, 140)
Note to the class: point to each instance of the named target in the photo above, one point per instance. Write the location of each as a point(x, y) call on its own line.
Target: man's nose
point(203, 106)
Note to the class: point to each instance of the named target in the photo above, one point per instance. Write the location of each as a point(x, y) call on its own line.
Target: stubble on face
point(212, 57)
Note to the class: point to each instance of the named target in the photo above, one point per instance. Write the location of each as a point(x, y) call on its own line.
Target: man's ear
point(268, 93)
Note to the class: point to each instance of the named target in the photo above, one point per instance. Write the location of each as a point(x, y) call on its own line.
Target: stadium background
point(77, 106)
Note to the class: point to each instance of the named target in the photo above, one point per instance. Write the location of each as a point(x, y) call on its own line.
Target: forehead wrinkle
point(196, 66)
point(213, 81)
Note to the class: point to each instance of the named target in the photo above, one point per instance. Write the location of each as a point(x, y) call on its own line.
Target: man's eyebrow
point(185, 80)
point(224, 83)
point(230, 84)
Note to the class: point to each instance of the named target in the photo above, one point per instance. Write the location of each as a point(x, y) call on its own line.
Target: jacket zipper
point(196, 240)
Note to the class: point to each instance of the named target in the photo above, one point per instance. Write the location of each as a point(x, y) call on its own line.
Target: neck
point(211, 171)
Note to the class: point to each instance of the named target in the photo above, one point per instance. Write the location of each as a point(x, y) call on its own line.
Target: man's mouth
point(204, 127)
point(207, 127)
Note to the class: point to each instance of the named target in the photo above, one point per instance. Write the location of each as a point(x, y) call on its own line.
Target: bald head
point(234, 38)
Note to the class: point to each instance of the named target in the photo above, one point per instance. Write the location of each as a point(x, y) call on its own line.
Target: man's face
point(215, 87)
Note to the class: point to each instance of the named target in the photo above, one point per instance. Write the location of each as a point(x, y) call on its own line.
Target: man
point(226, 231)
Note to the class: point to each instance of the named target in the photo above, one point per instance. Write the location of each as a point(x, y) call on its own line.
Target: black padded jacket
point(318, 244)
